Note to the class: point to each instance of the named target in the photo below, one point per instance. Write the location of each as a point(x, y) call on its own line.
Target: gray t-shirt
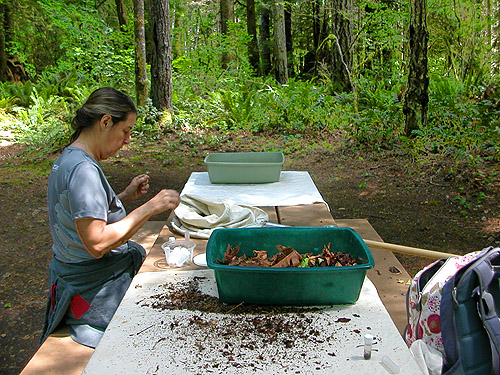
point(77, 188)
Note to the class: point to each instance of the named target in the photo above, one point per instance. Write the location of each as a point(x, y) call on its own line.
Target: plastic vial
point(390, 365)
point(168, 247)
point(367, 347)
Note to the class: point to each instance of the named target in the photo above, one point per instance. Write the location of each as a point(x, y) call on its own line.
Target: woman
point(94, 261)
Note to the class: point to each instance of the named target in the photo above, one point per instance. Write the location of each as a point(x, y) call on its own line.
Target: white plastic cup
point(178, 253)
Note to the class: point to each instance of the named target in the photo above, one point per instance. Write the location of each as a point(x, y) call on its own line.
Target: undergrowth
point(208, 111)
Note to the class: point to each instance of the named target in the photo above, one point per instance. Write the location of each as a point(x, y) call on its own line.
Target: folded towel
point(200, 216)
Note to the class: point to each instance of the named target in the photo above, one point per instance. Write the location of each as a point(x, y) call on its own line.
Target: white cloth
point(429, 359)
point(293, 188)
point(201, 216)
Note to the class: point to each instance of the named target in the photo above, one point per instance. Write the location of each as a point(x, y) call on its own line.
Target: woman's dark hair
point(103, 101)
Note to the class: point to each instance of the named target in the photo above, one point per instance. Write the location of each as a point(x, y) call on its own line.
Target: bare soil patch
point(437, 206)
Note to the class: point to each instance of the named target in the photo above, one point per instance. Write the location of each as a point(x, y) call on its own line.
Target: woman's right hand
point(166, 199)
point(99, 237)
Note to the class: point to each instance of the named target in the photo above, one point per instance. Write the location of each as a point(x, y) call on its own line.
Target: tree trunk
point(311, 57)
point(226, 16)
point(161, 62)
point(141, 77)
point(316, 9)
point(281, 70)
point(6, 32)
point(265, 40)
point(122, 15)
point(288, 36)
point(253, 48)
point(175, 31)
point(3, 53)
point(341, 49)
point(416, 97)
point(495, 36)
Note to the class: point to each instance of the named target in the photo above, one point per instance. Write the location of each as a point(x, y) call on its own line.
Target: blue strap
point(486, 274)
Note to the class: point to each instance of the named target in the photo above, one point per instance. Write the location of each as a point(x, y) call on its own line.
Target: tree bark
point(122, 15)
point(281, 69)
point(161, 63)
point(226, 16)
point(416, 97)
point(141, 77)
point(316, 9)
point(6, 32)
point(495, 36)
point(265, 40)
point(341, 49)
point(3, 53)
point(253, 48)
point(288, 36)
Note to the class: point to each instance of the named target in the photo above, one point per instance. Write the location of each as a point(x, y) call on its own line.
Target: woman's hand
point(136, 189)
point(98, 237)
point(163, 201)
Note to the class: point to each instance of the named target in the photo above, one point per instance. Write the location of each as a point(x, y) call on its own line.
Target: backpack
point(470, 311)
point(423, 300)
point(443, 311)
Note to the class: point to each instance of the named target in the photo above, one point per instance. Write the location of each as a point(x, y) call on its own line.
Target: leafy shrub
point(378, 121)
point(42, 127)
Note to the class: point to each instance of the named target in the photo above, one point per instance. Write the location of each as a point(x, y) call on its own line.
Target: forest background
point(404, 93)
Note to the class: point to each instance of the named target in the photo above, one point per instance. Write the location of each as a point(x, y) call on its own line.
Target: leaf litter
point(287, 257)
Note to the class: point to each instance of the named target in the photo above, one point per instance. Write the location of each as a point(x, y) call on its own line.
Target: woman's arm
point(99, 238)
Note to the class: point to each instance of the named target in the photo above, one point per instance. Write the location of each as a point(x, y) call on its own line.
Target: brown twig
point(234, 308)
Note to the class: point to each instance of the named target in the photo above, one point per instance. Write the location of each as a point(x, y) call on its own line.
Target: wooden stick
point(408, 250)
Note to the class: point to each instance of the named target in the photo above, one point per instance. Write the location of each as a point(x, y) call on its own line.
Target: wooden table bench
point(59, 354)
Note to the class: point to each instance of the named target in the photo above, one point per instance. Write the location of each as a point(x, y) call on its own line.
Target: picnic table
point(143, 340)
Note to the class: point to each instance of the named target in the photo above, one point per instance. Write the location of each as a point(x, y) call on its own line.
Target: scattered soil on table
point(242, 336)
point(439, 205)
point(188, 296)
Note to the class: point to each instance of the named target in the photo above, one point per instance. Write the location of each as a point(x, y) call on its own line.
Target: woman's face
point(116, 136)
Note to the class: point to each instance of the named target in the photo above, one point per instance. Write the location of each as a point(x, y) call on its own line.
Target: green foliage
point(378, 123)
point(457, 44)
point(41, 126)
point(381, 36)
point(72, 47)
point(71, 36)
point(465, 129)
point(20, 92)
point(259, 105)
point(148, 118)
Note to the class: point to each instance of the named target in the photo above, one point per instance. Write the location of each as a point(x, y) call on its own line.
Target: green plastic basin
point(244, 167)
point(294, 286)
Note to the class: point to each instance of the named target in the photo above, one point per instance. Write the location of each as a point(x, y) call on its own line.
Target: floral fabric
point(424, 300)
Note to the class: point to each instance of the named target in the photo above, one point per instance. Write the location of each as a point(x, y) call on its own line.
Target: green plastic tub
point(295, 286)
point(244, 167)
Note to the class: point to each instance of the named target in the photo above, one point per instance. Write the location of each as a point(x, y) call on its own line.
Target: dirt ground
point(437, 205)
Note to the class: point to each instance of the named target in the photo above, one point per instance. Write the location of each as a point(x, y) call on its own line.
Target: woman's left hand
point(136, 189)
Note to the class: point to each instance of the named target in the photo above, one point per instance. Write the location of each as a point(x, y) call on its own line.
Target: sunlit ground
point(492, 225)
point(5, 138)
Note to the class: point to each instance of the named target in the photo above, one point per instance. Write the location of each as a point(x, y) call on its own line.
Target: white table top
point(143, 340)
point(293, 188)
